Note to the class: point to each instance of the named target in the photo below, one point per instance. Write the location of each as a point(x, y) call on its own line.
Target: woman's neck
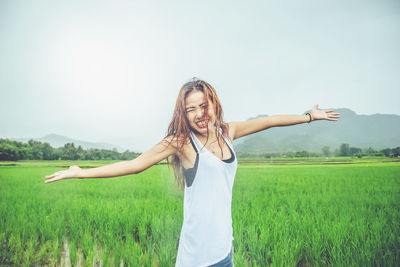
point(212, 136)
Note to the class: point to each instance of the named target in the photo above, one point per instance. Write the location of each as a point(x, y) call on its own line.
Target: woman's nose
point(199, 113)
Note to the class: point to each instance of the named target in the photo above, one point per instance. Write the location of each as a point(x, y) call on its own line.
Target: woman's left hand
point(317, 114)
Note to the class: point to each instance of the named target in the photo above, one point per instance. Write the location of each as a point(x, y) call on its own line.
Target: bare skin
point(196, 107)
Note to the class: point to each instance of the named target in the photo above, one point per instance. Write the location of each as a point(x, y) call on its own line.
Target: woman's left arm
point(239, 129)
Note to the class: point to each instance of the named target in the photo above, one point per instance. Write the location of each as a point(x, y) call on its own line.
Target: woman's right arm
point(157, 153)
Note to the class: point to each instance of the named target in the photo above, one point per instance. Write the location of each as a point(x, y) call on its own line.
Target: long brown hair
point(179, 128)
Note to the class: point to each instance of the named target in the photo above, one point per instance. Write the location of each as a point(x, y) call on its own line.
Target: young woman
point(199, 147)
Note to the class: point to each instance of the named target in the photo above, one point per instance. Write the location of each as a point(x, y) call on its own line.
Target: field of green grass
point(303, 212)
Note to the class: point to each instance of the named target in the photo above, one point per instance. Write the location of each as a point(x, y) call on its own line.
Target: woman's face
point(199, 112)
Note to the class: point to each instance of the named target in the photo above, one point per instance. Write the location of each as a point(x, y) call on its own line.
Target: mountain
point(56, 140)
point(378, 131)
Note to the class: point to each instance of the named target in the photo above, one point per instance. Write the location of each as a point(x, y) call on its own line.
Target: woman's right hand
point(72, 172)
point(161, 151)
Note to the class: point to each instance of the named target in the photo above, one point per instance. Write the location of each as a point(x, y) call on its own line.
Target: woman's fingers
point(72, 172)
point(324, 114)
point(329, 112)
point(333, 116)
point(53, 180)
point(54, 177)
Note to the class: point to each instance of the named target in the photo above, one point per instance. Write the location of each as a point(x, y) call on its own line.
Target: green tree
point(302, 154)
point(355, 150)
point(370, 151)
point(69, 152)
point(80, 153)
point(47, 151)
point(36, 152)
point(386, 152)
point(326, 151)
point(8, 152)
point(396, 151)
point(344, 150)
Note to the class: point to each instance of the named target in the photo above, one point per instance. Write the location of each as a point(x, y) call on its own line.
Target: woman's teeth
point(201, 124)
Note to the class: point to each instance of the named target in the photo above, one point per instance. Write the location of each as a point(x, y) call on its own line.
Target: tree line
point(35, 150)
point(344, 150)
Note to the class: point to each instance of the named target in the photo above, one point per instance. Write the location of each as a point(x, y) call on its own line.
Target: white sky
point(111, 70)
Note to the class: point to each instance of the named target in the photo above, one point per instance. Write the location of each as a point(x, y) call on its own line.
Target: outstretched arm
point(159, 152)
point(239, 129)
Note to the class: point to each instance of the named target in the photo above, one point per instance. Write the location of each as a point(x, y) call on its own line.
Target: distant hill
point(56, 140)
point(378, 131)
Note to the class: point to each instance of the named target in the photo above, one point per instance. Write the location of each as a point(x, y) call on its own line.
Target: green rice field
point(300, 212)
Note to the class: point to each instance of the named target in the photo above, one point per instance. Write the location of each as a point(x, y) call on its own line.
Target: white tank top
point(206, 235)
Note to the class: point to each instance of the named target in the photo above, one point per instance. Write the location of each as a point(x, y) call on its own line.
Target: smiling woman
point(199, 146)
point(199, 110)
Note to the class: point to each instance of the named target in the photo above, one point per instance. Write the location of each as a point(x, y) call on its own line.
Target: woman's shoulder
point(229, 130)
point(177, 142)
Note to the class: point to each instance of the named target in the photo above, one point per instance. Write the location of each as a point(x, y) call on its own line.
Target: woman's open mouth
point(202, 124)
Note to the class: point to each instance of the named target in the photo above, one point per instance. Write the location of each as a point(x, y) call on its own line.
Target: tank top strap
point(196, 142)
point(227, 140)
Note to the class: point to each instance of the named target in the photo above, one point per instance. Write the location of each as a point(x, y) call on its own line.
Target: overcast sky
point(111, 70)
